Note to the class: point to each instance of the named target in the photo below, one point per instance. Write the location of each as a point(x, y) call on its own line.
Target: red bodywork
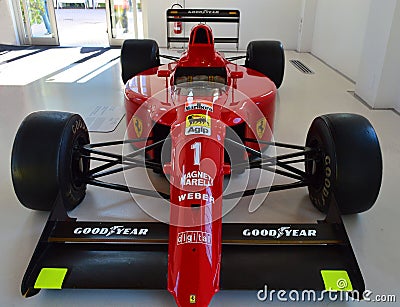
point(154, 102)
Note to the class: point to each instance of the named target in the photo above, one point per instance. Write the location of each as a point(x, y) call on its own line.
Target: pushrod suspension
point(129, 161)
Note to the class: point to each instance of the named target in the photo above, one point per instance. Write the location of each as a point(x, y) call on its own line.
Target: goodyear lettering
point(114, 230)
point(79, 124)
point(209, 12)
point(327, 181)
point(284, 231)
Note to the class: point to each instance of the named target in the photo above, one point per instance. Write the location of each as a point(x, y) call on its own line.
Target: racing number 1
point(197, 152)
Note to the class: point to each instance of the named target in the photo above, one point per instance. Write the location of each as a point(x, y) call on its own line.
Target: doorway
point(36, 22)
point(79, 24)
point(91, 23)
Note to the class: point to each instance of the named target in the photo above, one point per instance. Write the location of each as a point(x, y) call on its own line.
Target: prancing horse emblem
point(138, 126)
point(261, 125)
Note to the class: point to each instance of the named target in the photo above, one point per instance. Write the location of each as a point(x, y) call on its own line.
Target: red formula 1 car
point(197, 120)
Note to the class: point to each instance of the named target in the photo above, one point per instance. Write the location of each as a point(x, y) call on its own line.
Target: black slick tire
point(268, 58)
point(45, 161)
point(348, 165)
point(138, 55)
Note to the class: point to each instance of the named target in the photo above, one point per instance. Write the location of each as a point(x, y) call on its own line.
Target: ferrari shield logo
point(261, 125)
point(138, 126)
point(192, 299)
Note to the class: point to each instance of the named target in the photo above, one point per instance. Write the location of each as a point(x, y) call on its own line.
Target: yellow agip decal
point(198, 124)
point(198, 120)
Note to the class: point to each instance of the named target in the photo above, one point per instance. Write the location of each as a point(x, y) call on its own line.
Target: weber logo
point(285, 231)
point(111, 231)
point(197, 196)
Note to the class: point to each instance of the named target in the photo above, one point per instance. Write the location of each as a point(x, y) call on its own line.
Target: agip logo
point(198, 124)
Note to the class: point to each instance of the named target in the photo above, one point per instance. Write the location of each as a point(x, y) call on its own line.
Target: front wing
point(113, 255)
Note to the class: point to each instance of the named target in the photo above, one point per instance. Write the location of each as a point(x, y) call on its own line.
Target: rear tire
point(348, 165)
point(45, 161)
point(268, 58)
point(138, 55)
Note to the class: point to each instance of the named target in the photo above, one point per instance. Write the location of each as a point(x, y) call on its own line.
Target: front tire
point(348, 165)
point(45, 160)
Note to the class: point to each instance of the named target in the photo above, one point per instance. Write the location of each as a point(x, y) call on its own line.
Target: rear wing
point(202, 16)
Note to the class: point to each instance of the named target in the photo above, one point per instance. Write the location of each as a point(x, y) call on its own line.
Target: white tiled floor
point(374, 234)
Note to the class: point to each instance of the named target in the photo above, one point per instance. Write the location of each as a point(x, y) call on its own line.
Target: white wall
point(7, 31)
point(339, 33)
point(389, 90)
point(154, 19)
point(379, 74)
point(307, 25)
point(397, 106)
point(260, 19)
